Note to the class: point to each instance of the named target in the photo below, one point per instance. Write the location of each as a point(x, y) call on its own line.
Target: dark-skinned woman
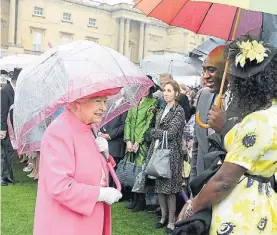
point(240, 193)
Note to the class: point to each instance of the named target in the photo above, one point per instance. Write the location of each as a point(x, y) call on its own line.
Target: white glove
point(102, 144)
point(109, 195)
point(3, 134)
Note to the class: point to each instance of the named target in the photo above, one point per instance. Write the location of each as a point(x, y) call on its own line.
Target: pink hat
point(108, 92)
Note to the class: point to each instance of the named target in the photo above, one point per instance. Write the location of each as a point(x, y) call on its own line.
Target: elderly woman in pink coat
point(73, 195)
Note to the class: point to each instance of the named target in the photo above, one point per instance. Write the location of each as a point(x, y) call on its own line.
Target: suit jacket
point(201, 144)
point(115, 128)
point(7, 100)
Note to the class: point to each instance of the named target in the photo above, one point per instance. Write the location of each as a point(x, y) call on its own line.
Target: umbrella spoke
point(67, 73)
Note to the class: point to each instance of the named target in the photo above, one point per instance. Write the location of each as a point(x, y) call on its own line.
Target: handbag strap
point(165, 141)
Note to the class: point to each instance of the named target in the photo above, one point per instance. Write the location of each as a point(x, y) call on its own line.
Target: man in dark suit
point(221, 120)
point(113, 131)
point(183, 99)
point(7, 100)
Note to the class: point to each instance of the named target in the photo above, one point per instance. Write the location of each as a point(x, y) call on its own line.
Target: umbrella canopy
point(269, 33)
point(203, 17)
point(206, 47)
point(173, 63)
point(268, 6)
point(10, 62)
point(66, 73)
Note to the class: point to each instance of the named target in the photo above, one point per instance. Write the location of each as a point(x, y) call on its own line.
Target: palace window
point(92, 39)
point(66, 37)
point(37, 41)
point(67, 16)
point(155, 38)
point(91, 22)
point(38, 11)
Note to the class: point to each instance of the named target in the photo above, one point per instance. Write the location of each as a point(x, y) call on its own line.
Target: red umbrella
point(203, 17)
point(223, 21)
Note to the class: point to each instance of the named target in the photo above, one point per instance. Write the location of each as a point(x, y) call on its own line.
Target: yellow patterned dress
point(251, 208)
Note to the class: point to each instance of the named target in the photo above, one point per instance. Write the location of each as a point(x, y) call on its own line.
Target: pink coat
point(69, 182)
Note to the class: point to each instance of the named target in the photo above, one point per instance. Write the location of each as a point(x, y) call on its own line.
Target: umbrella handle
point(219, 101)
point(184, 196)
point(114, 176)
point(110, 165)
point(197, 117)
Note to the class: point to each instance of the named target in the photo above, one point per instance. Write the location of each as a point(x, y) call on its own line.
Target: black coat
point(115, 128)
point(184, 103)
point(200, 222)
point(7, 99)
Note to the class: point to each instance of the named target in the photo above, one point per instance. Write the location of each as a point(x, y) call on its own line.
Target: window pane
point(66, 16)
point(38, 11)
point(37, 41)
point(92, 21)
point(66, 38)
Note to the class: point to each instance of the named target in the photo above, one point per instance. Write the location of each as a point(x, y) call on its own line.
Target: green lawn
point(18, 203)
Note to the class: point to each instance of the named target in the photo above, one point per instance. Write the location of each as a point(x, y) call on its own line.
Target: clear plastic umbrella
point(173, 63)
point(64, 74)
point(10, 62)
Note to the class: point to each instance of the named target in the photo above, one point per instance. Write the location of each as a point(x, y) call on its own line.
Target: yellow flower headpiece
point(250, 50)
point(248, 56)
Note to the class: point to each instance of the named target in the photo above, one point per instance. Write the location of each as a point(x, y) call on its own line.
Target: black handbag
point(127, 172)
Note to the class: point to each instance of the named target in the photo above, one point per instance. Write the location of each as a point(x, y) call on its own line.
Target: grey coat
point(201, 144)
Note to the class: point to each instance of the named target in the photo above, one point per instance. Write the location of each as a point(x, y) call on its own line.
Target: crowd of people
point(223, 174)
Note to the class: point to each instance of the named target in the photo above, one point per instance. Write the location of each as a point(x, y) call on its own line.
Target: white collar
point(13, 86)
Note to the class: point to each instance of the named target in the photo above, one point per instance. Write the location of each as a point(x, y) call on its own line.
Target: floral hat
point(248, 56)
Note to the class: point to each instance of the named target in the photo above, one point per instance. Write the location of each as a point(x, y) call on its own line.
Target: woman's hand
point(129, 146)
point(186, 212)
point(135, 147)
point(102, 144)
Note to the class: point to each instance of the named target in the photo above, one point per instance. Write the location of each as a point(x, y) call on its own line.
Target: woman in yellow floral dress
point(240, 193)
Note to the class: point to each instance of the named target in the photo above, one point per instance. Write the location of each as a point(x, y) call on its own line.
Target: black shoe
point(168, 231)
point(4, 183)
point(160, 225)
point(10, 181)
point(140, 206)
point(132, 204)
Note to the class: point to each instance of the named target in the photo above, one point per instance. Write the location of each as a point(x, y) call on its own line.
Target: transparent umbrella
point(66, 73)
point(10, 62)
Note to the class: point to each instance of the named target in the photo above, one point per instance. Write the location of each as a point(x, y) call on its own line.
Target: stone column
point(121, 35)
point(18, 33)
point(145, 40)
point(12, 22)
point(127, 38)
point(141, 41)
